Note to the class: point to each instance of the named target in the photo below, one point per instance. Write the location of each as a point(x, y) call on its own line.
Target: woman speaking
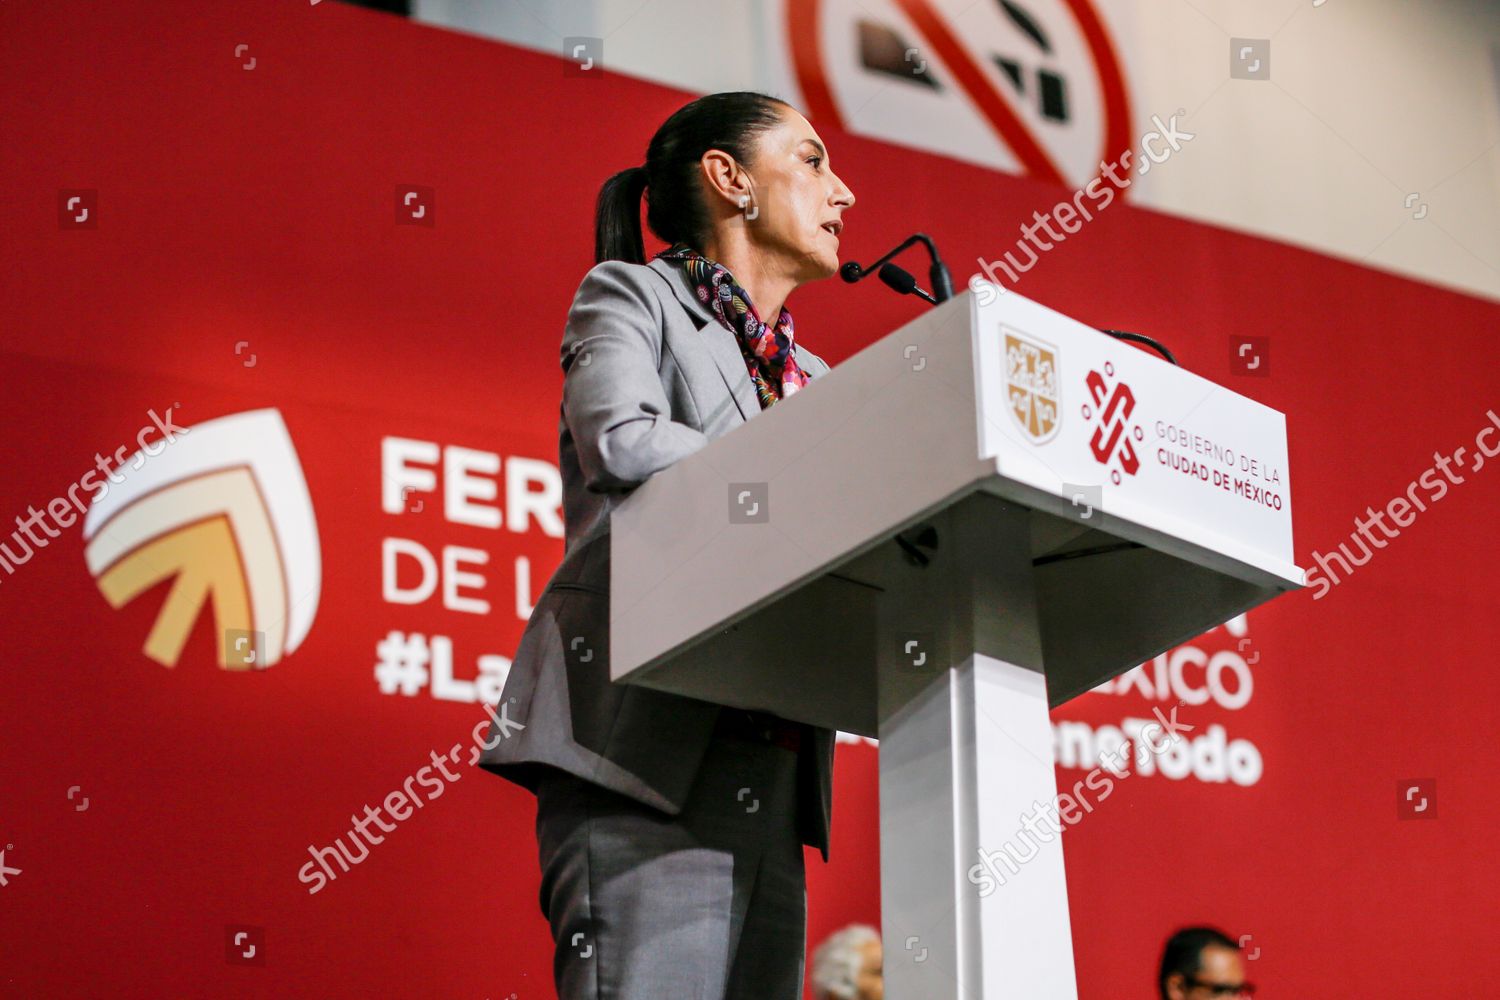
point(670, 830)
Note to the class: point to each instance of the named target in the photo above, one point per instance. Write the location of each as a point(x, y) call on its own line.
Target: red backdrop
point(254, 209)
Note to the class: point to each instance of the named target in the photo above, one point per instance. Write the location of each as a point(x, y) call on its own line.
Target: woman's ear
point(725, 178)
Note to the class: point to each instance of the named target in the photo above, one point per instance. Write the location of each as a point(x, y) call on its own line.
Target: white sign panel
point(1078, 414)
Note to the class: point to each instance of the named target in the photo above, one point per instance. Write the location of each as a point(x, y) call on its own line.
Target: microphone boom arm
point(937, 273)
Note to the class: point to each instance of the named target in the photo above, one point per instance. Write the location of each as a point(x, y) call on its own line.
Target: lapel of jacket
point(721, 343)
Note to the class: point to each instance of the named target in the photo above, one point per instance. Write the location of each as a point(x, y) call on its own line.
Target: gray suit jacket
point(650, 376)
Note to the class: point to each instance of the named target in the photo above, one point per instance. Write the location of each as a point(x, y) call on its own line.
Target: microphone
point(901, 281)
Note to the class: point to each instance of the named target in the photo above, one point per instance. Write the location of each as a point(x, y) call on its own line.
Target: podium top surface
point(986, 393)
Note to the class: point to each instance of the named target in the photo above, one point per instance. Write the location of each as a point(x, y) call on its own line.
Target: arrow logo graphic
point(225, 514)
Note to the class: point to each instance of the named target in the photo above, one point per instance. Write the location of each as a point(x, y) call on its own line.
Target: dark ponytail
point(675, 210)
point(617, 219)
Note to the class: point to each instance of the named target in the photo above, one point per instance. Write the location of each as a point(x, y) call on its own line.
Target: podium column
point(974, 899)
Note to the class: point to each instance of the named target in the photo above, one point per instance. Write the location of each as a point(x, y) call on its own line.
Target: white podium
point(1067, 507)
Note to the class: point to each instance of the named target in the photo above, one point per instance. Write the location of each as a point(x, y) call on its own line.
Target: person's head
point(846, 966)
point(1199, 963)
point(736, 170)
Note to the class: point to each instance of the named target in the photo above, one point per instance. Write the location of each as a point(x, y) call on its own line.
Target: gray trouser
point(707, 905)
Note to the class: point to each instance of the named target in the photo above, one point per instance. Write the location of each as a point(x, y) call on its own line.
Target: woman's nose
point(843, 196)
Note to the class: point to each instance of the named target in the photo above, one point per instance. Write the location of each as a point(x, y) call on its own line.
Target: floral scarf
point(768, 352)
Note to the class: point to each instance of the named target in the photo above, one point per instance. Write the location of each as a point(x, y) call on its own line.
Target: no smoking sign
point(1031, 87)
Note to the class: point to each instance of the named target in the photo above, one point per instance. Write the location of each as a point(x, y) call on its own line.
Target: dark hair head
point(674, 204)
point(1184, 952)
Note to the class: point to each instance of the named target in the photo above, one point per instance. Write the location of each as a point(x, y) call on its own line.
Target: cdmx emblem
point(1113, 404)
point(1031, 387)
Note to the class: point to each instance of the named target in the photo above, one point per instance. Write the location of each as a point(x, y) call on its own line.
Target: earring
point(754, 213)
